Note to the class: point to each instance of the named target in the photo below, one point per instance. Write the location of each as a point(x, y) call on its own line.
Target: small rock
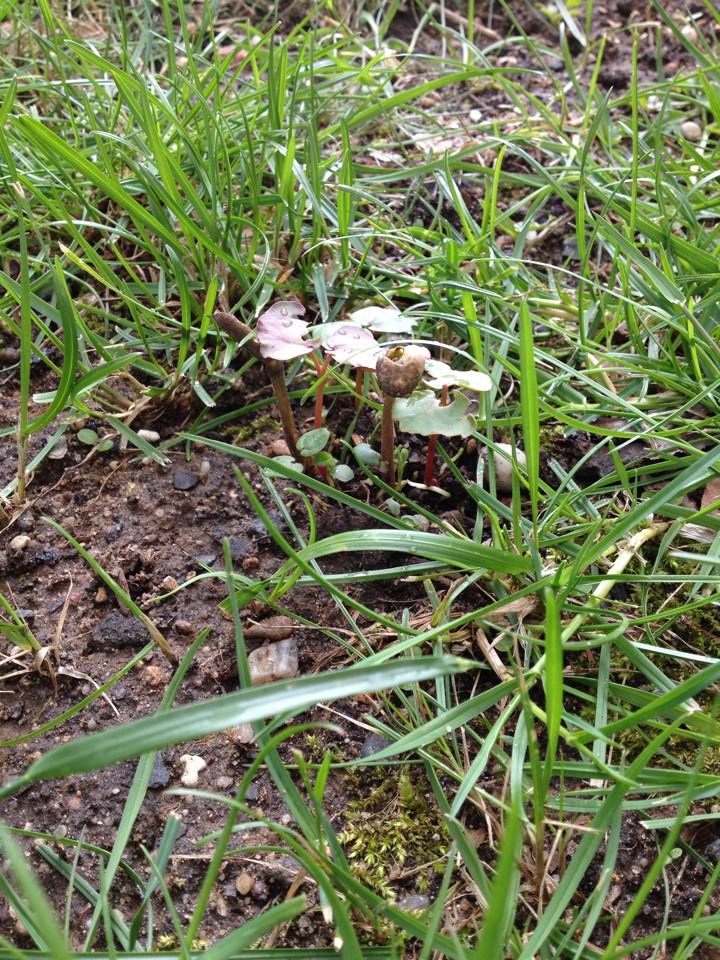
point(184, 627)
point(184, 479)
point(244, 884)
point(26, 521)
point(413, 901)
point(691, 130)
point(240, 547)
point(712, 851)
point(373, 743)
point(274, 628)
point(152, 436)
point(275, 661)
point(159, 775)
point(504, 467)
point(258, 528)
point(260, 891)
point(59, 450)
point(20, 542)
point(241, 734)
point(207, 559)
point(279, 448)
point(26, 614)
point(116, 630)
point(154, 676)
point(101, 596)
point(192, 765)
point(169, 583)
point(475, 115)
point(204, 468)
point(50, 556)
point(224, 783)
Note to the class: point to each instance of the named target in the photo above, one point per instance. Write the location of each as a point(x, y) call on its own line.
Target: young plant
point(278, 337)
point(442, 377)
point(357, 347)
point(399, 371)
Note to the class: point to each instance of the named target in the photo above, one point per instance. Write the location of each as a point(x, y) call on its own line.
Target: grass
point(158, 167)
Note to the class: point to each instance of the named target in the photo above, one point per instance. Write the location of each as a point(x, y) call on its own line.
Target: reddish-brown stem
point(359, 377)
point(321, 369)
point(429, 476)
point(387, 439)
point(276, 373)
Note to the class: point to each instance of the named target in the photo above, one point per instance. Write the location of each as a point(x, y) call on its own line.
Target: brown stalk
point(274, 369)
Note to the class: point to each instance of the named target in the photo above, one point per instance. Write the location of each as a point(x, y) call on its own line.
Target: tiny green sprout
point(90, 438)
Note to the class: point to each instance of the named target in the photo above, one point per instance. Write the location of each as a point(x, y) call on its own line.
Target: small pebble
point(159, 775)
point(274, 628)
point(260, 891)
point(169, 583)
point(244, 884)
point(26, 521)
point(691, 130)
point(184, 627)
point(373, 743)
point(279, 448)
point(241, 734)
point(101, 596)
point(504, 467)
point(152, 436)
point(59, 450)
point(159, 513)
point(276, 661)
point(154, 676)
point(192, 765)
point(475, 115)
point(20, 542)
point(184, 479)
point(204, 468)
point(413, 901)
point(224, 783)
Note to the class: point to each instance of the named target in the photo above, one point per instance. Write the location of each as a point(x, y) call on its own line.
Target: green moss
point(260, 425)
point(394, 826)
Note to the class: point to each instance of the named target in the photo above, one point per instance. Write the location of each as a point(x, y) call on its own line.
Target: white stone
point(19, 542)
point(192, 765)
point(691, 130)
point(504, 467)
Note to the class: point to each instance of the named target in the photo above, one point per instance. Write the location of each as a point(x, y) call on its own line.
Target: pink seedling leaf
point(354, 345)
point(280, 332)
point(441, 375)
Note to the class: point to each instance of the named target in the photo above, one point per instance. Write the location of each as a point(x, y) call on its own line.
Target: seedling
point(399, 371)
point(454, 421)
point(357, 347)
point(279, 336)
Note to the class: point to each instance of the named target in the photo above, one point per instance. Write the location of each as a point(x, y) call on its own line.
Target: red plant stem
point(321, 369)
point(429, 477)
point(387, 440)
